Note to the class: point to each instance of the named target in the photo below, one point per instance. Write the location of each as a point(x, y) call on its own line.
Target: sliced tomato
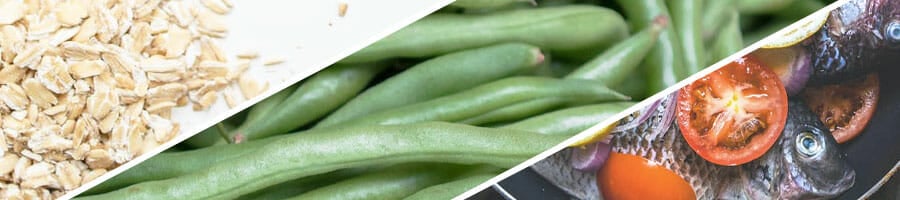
point(633, 177)
point(733, 115)
point(845, 108)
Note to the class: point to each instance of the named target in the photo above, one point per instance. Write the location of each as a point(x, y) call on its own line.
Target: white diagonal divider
point(638, 106)
point(309, 35)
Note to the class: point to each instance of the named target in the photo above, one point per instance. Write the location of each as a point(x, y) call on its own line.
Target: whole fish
point(857, 38)
point(805, 163)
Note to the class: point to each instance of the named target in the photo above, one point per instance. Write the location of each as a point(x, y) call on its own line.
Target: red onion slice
point(643, 115)
point(800, 70)
point(668, 115)
point(793, 66)
point(591, 157)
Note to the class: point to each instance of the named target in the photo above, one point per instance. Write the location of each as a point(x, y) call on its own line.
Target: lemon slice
point(779, 60)
point(597, 136)
point(808, 27)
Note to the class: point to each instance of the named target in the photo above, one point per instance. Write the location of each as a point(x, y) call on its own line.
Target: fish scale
point(557, 170)
point(852, 42)
point(671, 151)
point(781, 173)
point(667, 149)
point(763, 178)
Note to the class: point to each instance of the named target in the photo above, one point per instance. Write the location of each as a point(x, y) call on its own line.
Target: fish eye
point(892, 32)
point(808, 144)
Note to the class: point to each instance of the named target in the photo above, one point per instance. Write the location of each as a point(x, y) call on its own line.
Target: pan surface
point(872, 154)
point(875, 151)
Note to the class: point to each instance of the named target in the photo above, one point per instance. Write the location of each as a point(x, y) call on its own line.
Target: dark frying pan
point(875, 151)
point(872, 155)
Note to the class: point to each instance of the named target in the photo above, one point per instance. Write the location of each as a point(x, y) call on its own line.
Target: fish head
point(857, 38)
point(886, 22)
point(814, 166)
point(867, 24)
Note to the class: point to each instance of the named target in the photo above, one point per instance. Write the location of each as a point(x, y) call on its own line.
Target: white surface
point(309, 34)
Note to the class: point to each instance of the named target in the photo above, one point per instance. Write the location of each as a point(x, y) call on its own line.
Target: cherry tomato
point(845, 108)
point(632, 177)
point(733, 115)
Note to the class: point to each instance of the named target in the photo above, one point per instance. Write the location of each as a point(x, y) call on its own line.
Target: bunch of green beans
point(454, 99)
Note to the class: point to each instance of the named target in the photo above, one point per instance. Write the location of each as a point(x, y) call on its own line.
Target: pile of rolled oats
point(86, 85)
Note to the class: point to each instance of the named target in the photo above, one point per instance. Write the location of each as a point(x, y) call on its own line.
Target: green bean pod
point(686, 19)
point(550, 3)
point(440, 76)
point(392, 183)
point(315, 98)
point(729, 39)
point(633, 86)
point(299, 186)
point(715, 14)
point(485, 4)
point(451, 189)
point(762, 6)
point(665, 64)
point(262, 109)
point(613, 66)
point(321, 151)
point(569, 121)
point(763, 32)
point(172, 164)
point(799, 9)
point(209, 136)
point(212, 136)
point(567, 30)
point(523, 110)
point(492, 96)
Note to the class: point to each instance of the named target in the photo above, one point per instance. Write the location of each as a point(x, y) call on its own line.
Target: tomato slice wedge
point(845, 108)
point(633, 177)
point(733, 115)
